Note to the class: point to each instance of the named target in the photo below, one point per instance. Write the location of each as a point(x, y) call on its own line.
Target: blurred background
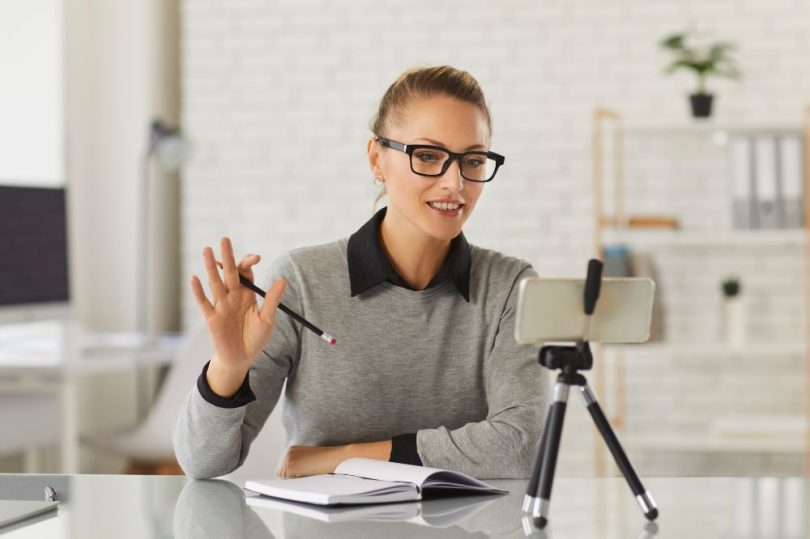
point(670, 137)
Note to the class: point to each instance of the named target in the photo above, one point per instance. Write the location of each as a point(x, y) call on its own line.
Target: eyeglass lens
point(430, 161)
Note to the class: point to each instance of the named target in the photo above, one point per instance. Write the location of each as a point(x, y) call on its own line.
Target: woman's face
point(440, 121)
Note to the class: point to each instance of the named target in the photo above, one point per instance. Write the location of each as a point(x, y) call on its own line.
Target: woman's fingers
point(243, 268)
point(249, 260)
point(245, 264)
point(214, 282)
point(199, 295)
point(231, 275)
point(271, 300)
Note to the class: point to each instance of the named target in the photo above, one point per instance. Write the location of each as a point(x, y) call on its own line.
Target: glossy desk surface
point(161, 507)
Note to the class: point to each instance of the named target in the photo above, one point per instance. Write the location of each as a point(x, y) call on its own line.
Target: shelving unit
point(611, 227)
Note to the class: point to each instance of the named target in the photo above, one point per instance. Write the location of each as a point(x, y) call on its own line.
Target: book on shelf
point(658, 222)
point(369, 481)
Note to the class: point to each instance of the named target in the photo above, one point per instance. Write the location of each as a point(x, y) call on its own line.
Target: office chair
point(149, 445)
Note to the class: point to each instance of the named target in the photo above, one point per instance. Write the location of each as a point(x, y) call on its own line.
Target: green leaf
point(681, 64)
point(706, 66)
point(674, 41)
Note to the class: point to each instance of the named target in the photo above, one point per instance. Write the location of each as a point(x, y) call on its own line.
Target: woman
point(426, 369)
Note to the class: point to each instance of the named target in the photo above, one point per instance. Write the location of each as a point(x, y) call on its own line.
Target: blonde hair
point(423, 82)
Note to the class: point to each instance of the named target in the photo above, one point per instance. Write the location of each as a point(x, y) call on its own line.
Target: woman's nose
point(452, 179)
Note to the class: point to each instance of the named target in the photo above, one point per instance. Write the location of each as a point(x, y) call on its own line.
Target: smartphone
point(553, 310)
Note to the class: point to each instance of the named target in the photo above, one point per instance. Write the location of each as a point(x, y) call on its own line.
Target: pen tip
point(333, 341)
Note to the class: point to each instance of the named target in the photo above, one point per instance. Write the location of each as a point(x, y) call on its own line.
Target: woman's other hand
point(305, 460)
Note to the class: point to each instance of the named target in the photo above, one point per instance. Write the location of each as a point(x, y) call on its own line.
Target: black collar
point(369, 265)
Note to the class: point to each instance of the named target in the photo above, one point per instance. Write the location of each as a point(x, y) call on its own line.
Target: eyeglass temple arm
point(392, 144)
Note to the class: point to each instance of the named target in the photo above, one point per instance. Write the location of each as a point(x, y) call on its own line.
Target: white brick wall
point(277, 97)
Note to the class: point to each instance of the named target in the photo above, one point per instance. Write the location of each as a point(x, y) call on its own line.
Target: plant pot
point(701, 105)
point(732, 323)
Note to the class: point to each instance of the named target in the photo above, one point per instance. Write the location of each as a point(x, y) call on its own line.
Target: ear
point(374, 157)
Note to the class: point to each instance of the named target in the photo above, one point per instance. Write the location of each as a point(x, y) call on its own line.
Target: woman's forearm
point(303, 460)
point(224, 381)
point(371, 450)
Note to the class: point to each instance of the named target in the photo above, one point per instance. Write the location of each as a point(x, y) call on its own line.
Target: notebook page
point(385, 471)
point(418, 475)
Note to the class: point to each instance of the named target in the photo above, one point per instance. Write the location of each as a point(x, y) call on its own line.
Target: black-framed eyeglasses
point(428, 160)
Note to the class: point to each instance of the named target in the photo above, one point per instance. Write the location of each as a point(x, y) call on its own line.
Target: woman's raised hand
point(239, 328)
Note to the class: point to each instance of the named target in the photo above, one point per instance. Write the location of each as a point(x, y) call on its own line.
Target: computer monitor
point(33, 246)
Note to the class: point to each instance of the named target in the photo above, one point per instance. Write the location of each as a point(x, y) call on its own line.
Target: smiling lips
point(446, 205)
point(446, 209)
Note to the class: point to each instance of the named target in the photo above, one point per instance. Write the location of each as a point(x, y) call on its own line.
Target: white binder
point(792, 190)
point(765, 151)
point(741, 182)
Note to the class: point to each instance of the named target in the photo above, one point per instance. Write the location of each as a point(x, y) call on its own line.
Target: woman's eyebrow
point(437, 143)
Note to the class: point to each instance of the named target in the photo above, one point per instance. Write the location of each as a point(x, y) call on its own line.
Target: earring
point(378, 181)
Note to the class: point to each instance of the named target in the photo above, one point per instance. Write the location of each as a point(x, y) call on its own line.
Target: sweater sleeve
point(211, 439)
point(504, 444)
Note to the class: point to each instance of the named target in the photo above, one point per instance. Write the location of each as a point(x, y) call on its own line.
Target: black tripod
point(569, 360)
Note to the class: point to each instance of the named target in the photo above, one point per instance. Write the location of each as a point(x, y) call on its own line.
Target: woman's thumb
point(272, 298)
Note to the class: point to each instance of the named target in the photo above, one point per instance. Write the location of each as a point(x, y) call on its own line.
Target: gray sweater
point(423, 361)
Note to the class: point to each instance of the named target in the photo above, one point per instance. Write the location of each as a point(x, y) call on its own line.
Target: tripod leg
point(531, 492)
point(548, 454)
point(643, 497)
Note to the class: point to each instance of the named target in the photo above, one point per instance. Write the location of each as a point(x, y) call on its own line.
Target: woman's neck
point(415, 256)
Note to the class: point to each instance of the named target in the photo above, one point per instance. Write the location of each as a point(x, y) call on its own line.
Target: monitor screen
point(33, 245)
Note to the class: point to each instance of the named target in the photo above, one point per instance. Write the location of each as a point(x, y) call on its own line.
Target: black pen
point(325, 336)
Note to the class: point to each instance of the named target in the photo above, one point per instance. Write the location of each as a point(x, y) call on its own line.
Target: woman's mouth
point(446, 209)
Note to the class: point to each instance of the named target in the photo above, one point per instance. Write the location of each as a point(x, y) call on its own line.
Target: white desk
point(124, 507)
point(51, 357)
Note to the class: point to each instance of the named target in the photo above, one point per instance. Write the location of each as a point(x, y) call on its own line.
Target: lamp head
point(168, 145)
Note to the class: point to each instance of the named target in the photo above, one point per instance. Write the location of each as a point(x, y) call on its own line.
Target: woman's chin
point(444, 231)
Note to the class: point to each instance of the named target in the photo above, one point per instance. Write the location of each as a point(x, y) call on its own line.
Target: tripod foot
point(540, 522)
point(647, 504)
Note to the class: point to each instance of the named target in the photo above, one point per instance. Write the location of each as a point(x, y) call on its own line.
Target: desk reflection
point(445, 517)
point(743, 508)
point(216, 509)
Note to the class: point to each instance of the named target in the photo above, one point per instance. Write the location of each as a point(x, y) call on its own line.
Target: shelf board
point(710, 127)
point(702, 238)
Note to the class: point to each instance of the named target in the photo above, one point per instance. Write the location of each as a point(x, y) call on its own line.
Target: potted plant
point(709, 59)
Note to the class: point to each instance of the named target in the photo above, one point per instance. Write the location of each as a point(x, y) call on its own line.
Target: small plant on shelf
point(732, 312)
point(731, 287)
point(705, 59)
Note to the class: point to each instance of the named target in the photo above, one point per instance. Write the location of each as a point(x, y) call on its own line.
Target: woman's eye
point(473, 162)
point(427, 156)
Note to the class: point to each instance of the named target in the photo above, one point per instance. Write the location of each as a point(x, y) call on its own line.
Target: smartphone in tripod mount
point(550, 310)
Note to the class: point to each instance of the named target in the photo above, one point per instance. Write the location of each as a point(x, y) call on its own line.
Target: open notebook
point(361, 481)
point(441, 513)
